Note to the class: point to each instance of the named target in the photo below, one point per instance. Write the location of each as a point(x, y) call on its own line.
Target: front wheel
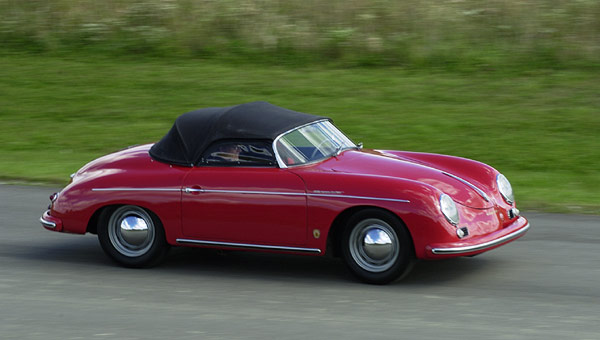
point(376, 246)
point(132, 236)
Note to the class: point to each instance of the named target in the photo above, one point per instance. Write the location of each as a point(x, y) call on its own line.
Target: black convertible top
point(194, 131)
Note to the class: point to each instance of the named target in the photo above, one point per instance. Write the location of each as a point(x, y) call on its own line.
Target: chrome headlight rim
point(505, 189)
point(449, 209)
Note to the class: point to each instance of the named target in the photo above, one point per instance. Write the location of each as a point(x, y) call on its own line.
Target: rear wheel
point(132, 236)
point(376, 246)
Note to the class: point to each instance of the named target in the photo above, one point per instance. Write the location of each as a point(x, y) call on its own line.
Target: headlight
point(505, 189)
point(449, 209)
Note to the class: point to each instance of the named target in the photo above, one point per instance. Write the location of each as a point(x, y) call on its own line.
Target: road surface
point(545, 285)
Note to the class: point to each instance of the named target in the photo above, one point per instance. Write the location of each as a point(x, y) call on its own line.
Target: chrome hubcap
point(377, 244)
point(374, 245)
point(131, 231)
point(134, 230)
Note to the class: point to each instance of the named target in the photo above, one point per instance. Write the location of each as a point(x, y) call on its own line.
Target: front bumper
point(480, 244)
point(50, 222)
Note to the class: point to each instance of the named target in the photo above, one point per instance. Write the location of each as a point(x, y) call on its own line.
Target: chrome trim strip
point(249, 246)
point(135, 189)
point(469, 184)
point(249, 192)
point(47, 224)
point(360, 197)
point(188, 190)
point(482, 246)
point(252, 192)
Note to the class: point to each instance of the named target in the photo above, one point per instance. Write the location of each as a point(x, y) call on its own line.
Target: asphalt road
point(545, 285)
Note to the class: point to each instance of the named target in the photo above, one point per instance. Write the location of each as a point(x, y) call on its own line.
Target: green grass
point(449, 34)
point(541, 129)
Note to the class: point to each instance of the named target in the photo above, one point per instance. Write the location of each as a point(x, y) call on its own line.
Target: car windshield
point(311, 143)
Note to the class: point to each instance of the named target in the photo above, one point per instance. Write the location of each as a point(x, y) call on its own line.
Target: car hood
point(372, 162)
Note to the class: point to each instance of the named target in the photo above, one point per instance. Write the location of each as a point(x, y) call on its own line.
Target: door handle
point(193, 190)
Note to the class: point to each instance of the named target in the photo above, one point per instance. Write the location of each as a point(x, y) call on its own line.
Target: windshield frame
point(283, 165)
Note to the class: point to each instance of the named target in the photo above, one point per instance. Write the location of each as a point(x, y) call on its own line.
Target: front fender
point(415, 203)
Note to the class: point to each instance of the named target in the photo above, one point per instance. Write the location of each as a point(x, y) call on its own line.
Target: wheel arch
point(92, 225)
point(334, 237)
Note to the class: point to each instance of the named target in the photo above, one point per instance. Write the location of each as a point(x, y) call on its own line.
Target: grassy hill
point(511, 83)
point(448, 34)
point(540, 128)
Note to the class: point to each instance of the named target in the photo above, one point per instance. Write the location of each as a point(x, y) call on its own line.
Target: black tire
point(132, 236)
point(377, 247)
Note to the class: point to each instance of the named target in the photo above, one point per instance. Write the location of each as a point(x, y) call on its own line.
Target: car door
point(243, 197)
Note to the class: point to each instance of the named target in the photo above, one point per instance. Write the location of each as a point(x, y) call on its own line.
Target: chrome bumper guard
point(481, 246)
point(47, 224)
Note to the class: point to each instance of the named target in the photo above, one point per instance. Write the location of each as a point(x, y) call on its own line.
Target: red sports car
point(259, 177)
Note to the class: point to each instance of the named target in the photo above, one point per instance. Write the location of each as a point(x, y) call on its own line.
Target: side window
point(239, 153)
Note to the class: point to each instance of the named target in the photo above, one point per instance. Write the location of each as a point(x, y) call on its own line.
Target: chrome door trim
point(248, 246)
point(360, 197)
point(254, 192)
point(284, 193)
point(135, 189)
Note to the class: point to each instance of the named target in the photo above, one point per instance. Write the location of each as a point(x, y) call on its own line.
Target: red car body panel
point(295, 207)
point(246, 205)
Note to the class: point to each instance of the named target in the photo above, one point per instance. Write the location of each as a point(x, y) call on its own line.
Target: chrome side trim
point(481, 246)
point(250, 192)
point(248, 246)
point(47, 224)
point(360, 197)
point(135, 189)
point(283, 193)
point(191, 190)
point(469, 184)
